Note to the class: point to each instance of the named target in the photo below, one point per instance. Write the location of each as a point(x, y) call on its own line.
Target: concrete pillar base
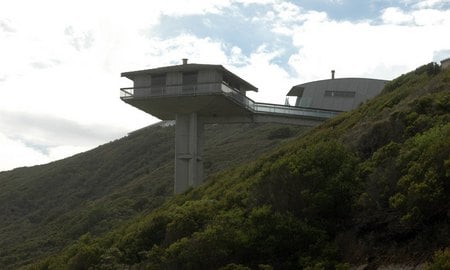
point(188, 152)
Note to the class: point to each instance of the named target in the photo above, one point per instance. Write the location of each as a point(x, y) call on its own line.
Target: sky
point(60, 61)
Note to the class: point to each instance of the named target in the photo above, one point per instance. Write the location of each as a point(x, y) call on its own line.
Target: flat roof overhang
point(209, 105)
point(189, 68)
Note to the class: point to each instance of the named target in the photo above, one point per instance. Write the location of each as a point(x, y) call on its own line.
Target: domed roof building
point(343, 94)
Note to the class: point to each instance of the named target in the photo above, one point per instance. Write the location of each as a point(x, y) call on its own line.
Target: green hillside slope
point(370, 186)
point(44, 208)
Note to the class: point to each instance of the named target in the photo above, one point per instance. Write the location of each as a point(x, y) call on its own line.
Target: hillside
point(44, 208)
point(368, 187)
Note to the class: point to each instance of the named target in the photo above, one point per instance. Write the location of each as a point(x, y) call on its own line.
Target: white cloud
point(14, 153)
point(6, 27)
point(287, 11)
point(172, 50)
point(364, 48)
point(273, 81)
point(237, 58)
point(192, 7)
point(259, 2)
point(394, 15)
point(419, 17)
point(432, 17)
point(421, 4)
point(47, 137)
point(60, 152)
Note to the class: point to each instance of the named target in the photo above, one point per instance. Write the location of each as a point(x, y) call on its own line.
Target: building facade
point(343, 94)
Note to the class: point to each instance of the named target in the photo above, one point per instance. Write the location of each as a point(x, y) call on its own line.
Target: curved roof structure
point(340, 84)
point(342, 94)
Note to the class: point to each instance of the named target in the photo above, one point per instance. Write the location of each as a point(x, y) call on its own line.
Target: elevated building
point(198, 94)
point(343, 94)
point(183, 89)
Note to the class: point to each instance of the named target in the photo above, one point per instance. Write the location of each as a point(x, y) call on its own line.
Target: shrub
point(441, 260)
point(233, 266)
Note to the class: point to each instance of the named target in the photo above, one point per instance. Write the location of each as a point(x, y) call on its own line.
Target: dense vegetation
point(45, 208)
point(370, 186)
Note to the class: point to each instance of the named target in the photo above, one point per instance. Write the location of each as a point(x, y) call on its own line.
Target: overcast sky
point(60, 61)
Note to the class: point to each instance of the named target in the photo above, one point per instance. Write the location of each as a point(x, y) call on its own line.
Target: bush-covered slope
point(44, 208)
point(371, 185)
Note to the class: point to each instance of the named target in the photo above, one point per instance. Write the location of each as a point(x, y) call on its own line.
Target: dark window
point(190, 81)
point(346, 94)
point(159, 80)
point(190, 78)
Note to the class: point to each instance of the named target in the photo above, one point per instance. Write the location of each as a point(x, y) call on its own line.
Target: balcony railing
point(222, 88)
point(169, 90)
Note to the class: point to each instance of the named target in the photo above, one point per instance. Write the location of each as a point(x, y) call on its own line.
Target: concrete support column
point(188, 152)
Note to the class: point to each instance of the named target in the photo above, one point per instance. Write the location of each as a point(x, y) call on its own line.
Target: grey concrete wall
point(173, 83)
point(209, 76)
point(139, 82)
point(174, 78)
point(188, 152)
point(142, 81)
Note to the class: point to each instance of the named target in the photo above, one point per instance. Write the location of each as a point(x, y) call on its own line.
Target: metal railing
point(169, 90)
point(291, 110)
point(275, 108)
point(226, 90)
